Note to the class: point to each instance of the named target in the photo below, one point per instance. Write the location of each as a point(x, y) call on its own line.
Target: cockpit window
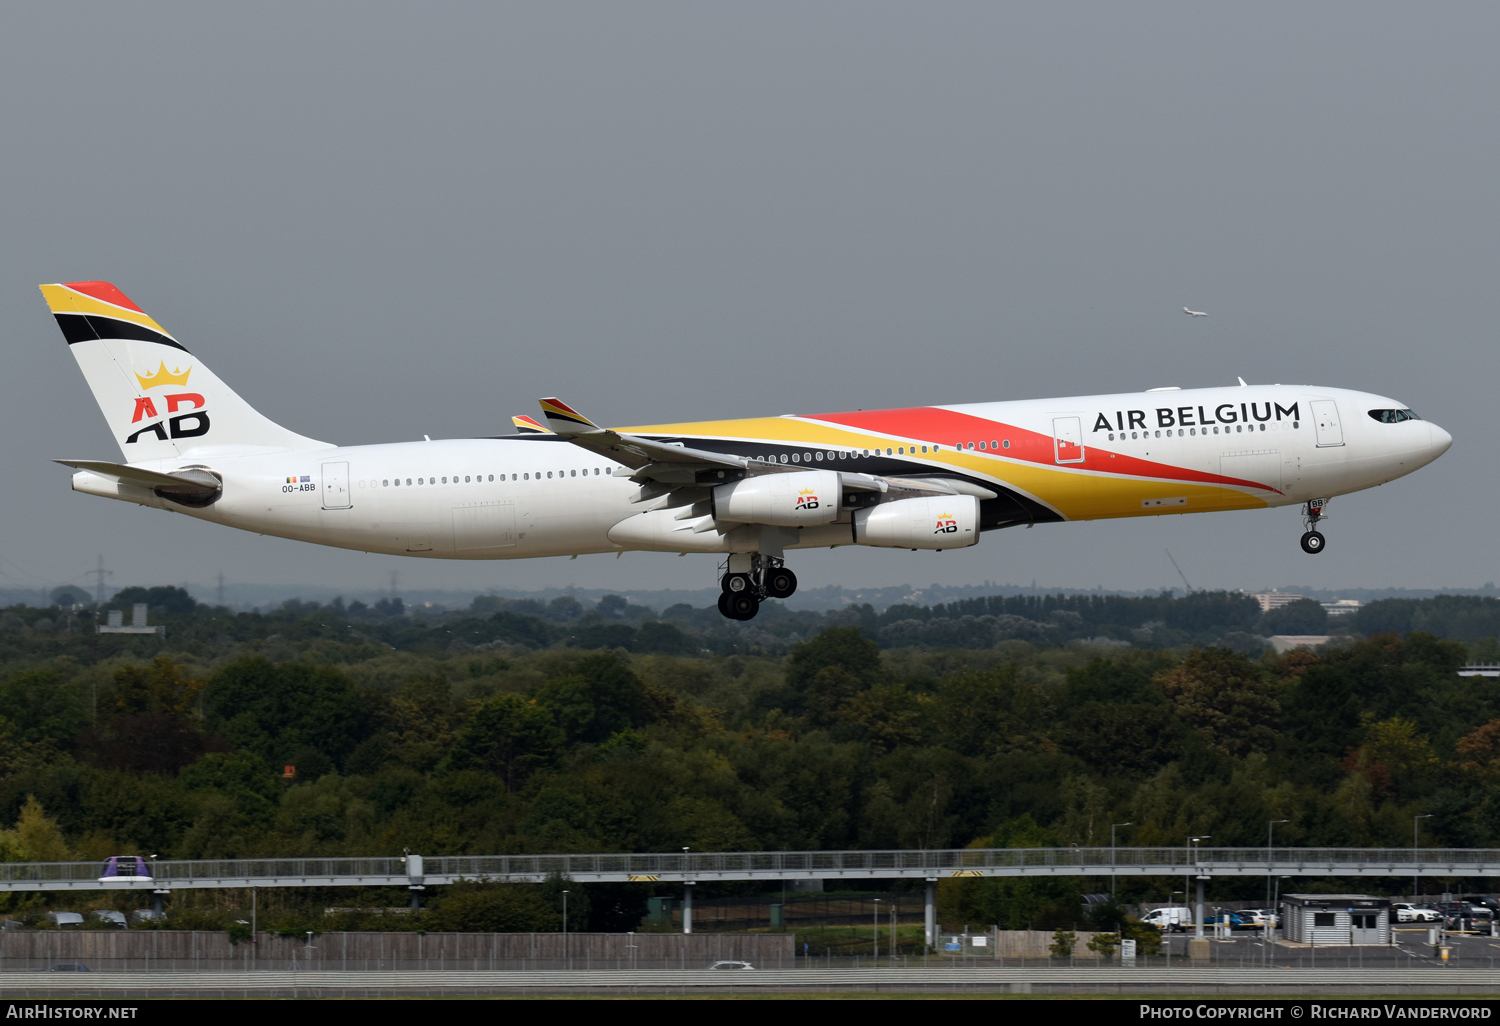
point(1393, 416)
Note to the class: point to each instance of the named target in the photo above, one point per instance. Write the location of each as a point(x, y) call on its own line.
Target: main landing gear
point(1312, 514)
point(750, 579)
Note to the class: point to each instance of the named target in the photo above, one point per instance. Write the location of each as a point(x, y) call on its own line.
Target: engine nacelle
point(926, 522)
point(797, 499)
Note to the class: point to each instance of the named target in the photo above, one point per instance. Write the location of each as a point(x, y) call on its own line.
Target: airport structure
point(687, 868)
point(1336, 918)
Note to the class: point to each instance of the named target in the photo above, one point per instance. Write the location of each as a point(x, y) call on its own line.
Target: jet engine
point(925, 522)
point(797, 499)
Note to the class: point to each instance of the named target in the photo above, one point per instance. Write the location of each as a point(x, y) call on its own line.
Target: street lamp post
point(1198, 906)
point(567, 964)
point(1116, 871)
point(1270, 832)
point(875, 933)
point(1414, 820)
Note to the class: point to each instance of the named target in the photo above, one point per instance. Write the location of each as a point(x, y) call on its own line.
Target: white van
point(1169, 917)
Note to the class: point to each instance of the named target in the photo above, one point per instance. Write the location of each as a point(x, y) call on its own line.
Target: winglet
point(527, 426)
point(565, 420)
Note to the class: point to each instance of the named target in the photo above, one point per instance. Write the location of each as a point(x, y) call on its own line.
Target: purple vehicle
point(120, 869)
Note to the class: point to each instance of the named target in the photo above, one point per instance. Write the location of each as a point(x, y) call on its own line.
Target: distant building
point(1283, 643)
point(1342, 607)
point(116, 624)
point(1276, 599)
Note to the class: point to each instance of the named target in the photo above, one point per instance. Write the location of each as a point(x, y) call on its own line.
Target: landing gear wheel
point(724, 604)
point(736, 584)
point(741, 606)
point(1313, 542)
point(781, 583)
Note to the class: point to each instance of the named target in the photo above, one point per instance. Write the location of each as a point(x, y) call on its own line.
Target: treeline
point(356, 630)
point(505, 729)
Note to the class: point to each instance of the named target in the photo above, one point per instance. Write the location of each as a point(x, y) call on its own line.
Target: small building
point(1276, 599)
point(1335, 919)
point(1284, 643)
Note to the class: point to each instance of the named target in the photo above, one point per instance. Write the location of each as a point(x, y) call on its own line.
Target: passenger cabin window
point(1393, 416)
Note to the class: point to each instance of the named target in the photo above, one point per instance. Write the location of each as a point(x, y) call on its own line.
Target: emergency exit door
point(336, 486)
point(1067, 437)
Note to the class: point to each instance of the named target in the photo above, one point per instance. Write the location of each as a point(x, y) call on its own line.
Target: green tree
point(36, 837)
point(508, 735)
point(496, 908)
point(39, 704)
point(1128, 737)
point(601, 697)
point(1104, 944)
point(1062, 943)
point(147, 721)
point(1304, 616)
point(275, 710)
point(1225, 698)
point(578, 901)
point(844, 647)
point(981, 713)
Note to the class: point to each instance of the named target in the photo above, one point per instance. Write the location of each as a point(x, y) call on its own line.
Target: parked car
point(119, 869)
point(146, 915)
point(1460, 915)
point(110, 916)
point(1260, 918)
point(732, 966)
point(1406, 912)
point(1169, 917)
point(65, 919)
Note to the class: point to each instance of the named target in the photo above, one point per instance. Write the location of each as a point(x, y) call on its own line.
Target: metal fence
point(1042, 980)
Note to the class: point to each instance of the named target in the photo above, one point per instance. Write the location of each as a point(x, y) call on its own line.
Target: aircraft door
point(1067, 437)
point(1326, 418)
point(336, 486)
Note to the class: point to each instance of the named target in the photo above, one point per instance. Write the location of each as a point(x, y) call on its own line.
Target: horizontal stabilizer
point(184, 482)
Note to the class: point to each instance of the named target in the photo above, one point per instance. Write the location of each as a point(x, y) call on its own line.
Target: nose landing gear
point(1312, 514)
point(750, 579)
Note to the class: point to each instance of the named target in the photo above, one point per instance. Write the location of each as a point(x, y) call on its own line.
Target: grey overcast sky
point(378, 221)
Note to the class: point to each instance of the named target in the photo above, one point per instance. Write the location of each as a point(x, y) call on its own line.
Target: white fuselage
point(528, 496)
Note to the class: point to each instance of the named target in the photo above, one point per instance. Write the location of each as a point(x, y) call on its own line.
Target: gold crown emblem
point(945, 516)
point(164, 377)
point(806, 491)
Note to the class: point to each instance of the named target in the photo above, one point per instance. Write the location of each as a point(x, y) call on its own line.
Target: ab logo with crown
point(186, 425)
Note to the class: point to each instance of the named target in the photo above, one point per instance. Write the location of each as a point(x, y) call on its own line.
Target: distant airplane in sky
point(1194, 313)
point(749, 491)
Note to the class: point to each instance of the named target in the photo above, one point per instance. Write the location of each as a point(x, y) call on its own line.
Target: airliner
point(923, 477)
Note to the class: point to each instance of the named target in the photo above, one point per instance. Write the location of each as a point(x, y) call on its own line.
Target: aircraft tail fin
point(160, 401)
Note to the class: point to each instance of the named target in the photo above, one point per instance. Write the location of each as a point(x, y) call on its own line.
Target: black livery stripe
point(1008, 509)
point(91, 327)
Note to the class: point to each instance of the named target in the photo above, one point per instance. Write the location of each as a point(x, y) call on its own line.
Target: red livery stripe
point(104, 292)
point(949, 427)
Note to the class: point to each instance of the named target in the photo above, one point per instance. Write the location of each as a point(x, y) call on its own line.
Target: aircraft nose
point(1441, 440)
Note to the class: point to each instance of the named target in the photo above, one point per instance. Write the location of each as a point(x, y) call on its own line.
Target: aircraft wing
point(673, 474)
point(528, 426)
